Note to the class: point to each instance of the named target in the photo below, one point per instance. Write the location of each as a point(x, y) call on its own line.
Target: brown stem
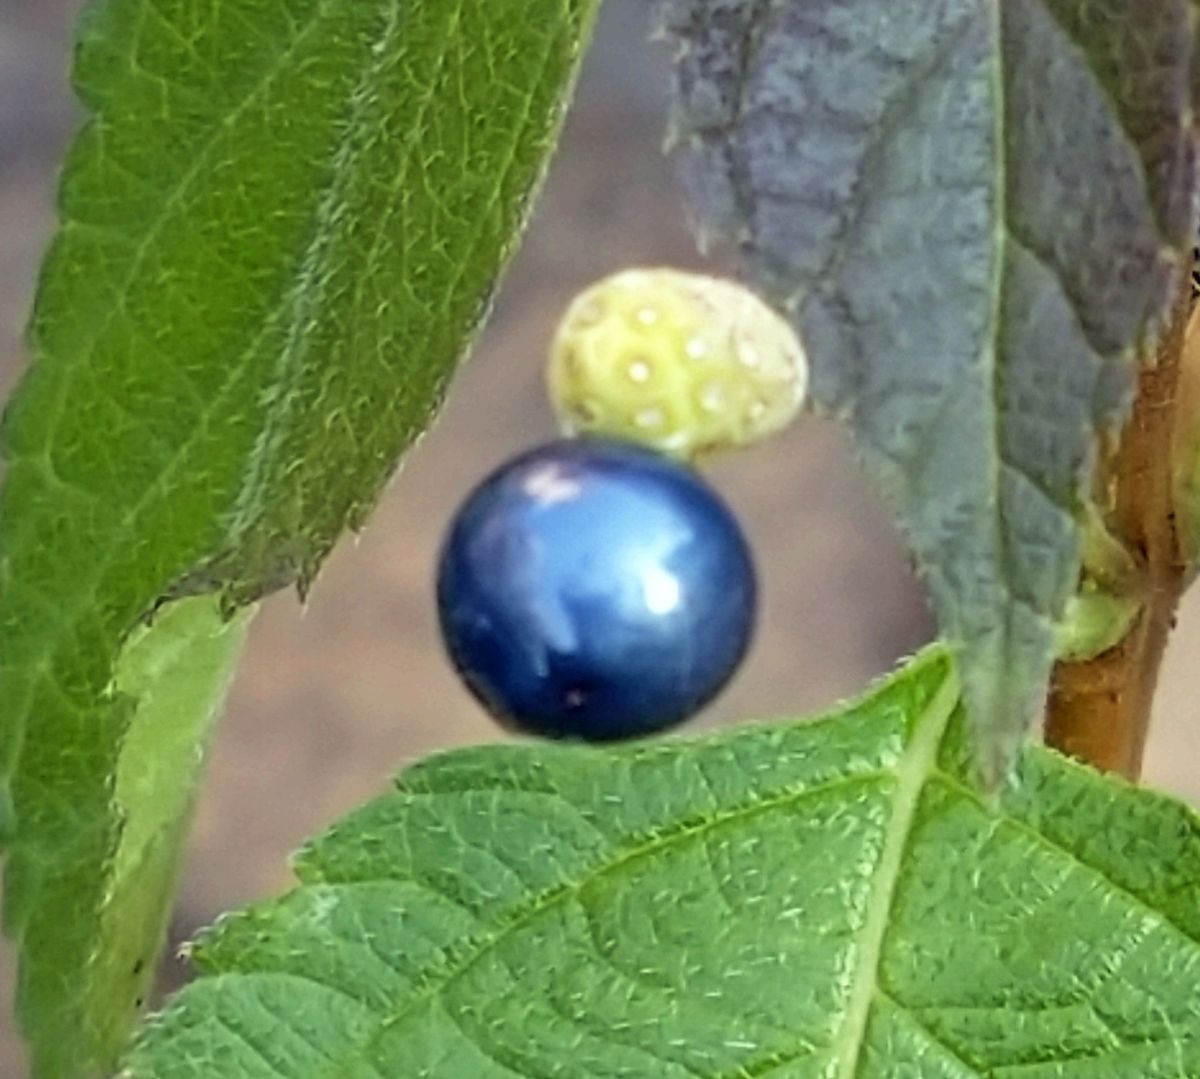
point(1099, 709)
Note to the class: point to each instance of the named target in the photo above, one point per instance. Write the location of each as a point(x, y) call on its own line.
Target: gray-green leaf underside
point(280, 226)
point(825, 899)
point(976, 213)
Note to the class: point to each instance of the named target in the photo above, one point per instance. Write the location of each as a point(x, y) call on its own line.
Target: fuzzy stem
point(1099, 709)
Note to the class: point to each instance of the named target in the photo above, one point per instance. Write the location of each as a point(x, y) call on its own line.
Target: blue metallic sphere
point(592, 589)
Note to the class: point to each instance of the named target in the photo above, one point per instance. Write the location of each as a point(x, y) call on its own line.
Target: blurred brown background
point(334, 698)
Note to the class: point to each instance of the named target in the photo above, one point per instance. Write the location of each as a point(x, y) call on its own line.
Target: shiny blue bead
point(596, 590)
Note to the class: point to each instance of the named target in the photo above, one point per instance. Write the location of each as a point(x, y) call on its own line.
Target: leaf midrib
point(916, 767)
point(486, 943)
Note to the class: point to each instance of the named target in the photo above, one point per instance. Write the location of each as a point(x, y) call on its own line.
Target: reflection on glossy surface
point(592, 589)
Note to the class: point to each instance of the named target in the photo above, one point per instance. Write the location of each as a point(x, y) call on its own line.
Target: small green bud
point(1094, 622)
point(1108, 600)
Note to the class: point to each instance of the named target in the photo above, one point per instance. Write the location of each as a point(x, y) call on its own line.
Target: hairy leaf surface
point(976, 212)
point(280, 226)
point(821, 899)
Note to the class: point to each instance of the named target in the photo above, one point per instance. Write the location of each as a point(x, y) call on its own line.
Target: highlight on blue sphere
point(591, 589)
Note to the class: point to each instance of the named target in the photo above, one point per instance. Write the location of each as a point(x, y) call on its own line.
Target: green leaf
point(177, 670)
point(819, 899)
point(976, 213)
point(169, 686)
point(281, 224)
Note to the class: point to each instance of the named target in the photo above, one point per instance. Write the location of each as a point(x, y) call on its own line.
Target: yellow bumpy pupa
point(680, 362)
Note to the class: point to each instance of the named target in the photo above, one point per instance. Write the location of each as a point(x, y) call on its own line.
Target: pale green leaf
point(281, 224)
point(828, 899)
point(177, 670)
point(976, 213)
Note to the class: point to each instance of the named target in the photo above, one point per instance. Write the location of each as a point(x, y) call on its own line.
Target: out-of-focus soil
point(333, 699)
